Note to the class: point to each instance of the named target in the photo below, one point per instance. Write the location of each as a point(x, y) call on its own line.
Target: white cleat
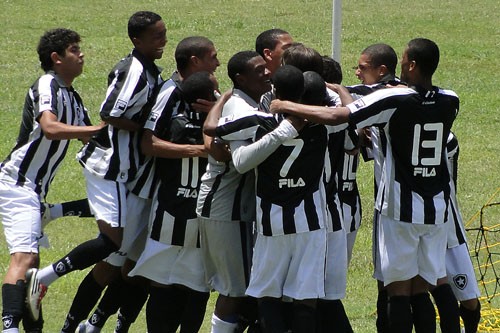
point(34, 293)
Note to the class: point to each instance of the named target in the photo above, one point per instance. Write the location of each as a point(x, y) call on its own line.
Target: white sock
point(47, 275)
point(56, 211)
point(11, 330)
point(221, 326)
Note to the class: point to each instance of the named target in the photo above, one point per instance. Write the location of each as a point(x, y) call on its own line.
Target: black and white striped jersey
point(344, 167)
point(34, 160)
point(456, 231)
point(415, 180)
point(225, 194)
point(179, 178)
point(289, 185)
point(114, 153)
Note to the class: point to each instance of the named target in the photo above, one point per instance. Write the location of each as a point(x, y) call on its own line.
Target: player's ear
point(268, 54)
point(55, 57)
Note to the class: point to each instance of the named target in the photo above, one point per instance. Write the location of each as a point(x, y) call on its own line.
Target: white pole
point(336, 29)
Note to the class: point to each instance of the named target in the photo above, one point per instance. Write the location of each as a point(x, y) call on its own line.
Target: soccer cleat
point(87, 327)
point(45, 212)
point(34, 294)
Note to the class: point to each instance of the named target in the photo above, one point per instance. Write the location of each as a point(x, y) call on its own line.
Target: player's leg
point(164, 308)
point(304, 316)
point(20, 211)
point(194, 311)
point(382, 321)
point(470, 311)
point(447, 306)
point(424, 315)
point(80, 208)
point(271, 316)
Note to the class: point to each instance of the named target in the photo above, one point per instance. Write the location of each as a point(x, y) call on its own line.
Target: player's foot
point(45, 211)
point(87, 327)
point(34, 294)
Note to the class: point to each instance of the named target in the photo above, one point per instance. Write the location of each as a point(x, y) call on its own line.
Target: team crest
point(460, 281)
point(60, 268)
point(45, 100)
point(94, 319)
point(359, 103)
point(7, 322)
point(120, 105)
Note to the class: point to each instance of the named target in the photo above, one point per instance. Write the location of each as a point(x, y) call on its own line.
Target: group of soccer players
point(251, 194)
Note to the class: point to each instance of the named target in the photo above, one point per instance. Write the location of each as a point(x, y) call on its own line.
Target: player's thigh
point(460, 273)
point(432, 252)
point(336, 265)
point(21, 219)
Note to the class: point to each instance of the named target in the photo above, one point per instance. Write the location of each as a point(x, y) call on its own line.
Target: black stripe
point(429, 211)
point(179, 231)
point(289, 220)
point(265, 207)
point(311, 212)
point(236, 212)
point(207, 205)
point(406, 204)
point(157, 224)
point(246, 248)
point(119, 198)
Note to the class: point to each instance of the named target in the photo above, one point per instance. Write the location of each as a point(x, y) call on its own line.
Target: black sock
point(86, 297)
point(424, 315)
point(131, 306)
point(194, 311)
point(85, 255)
point(79, 208)
point(13, 296)
point(164, 309)
point(30, 325)
point(382, 320)
point(109, 303)
point(471, 318)
point(331, 317)
point(447, 306)
point(399, 314)
point(304, 318)
point(271, 315)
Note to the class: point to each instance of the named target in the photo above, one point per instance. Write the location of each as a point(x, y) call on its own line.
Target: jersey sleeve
point(47, 95)
point(124, 81)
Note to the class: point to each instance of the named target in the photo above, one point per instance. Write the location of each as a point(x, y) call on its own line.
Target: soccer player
point(111, 159)
point(271, 44)
point(53, 114)
point(173, 135)
point(414, 190)
point(291, 207)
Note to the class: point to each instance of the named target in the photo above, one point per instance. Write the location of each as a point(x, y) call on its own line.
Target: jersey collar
point(148, 64)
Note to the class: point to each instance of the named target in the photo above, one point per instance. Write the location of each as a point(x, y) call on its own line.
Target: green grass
point(467, 32)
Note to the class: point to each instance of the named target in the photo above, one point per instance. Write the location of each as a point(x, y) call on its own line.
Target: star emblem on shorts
point(460, 281)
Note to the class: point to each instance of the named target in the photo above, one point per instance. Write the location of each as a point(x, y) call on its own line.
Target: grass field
point(468, 33)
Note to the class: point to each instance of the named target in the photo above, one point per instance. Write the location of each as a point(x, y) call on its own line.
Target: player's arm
point(123, 123)
point(316, 114)
point(154, 146)
point(344, 94)
point(216, 148)
point(246, 156)
point(53, 129)
point(213, 116)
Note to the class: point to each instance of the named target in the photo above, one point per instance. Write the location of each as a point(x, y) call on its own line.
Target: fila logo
point(348, 186)
point(424, 172)
point(291, 183)
point(460, 281)
point(187, 192)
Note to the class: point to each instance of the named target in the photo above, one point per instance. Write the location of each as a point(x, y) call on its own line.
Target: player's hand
point(277, 106)
point(296, 122)
point(202, 105)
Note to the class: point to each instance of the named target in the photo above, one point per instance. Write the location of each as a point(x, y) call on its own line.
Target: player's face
point(209, 62)
point(366, 72)
point(152, 41)
point(71, 64)
point(405, 67)
point(274, 56)
point(256, 80)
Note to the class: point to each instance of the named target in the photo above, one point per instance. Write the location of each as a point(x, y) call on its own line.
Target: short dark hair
point(425, 53)
point(238, 64)
point(382, 54)
point(303, 57)
point(314, 89)
point(198, 85)
point(288, 83)
point(332, 71)
point(140, 21)
point(55, 40)
point(268, 40)
point(196, 46)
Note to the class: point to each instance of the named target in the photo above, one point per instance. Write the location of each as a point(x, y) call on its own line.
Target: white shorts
point(351, 239)
point(336, 265)
point(227, 255)
point(107, 199)
point(408, 249)
point(289, 265)
point(460, 272)
point(172, 264)
point(135, 232)
point(21, 218)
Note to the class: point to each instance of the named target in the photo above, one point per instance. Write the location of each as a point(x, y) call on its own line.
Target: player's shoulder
point(447, 92)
